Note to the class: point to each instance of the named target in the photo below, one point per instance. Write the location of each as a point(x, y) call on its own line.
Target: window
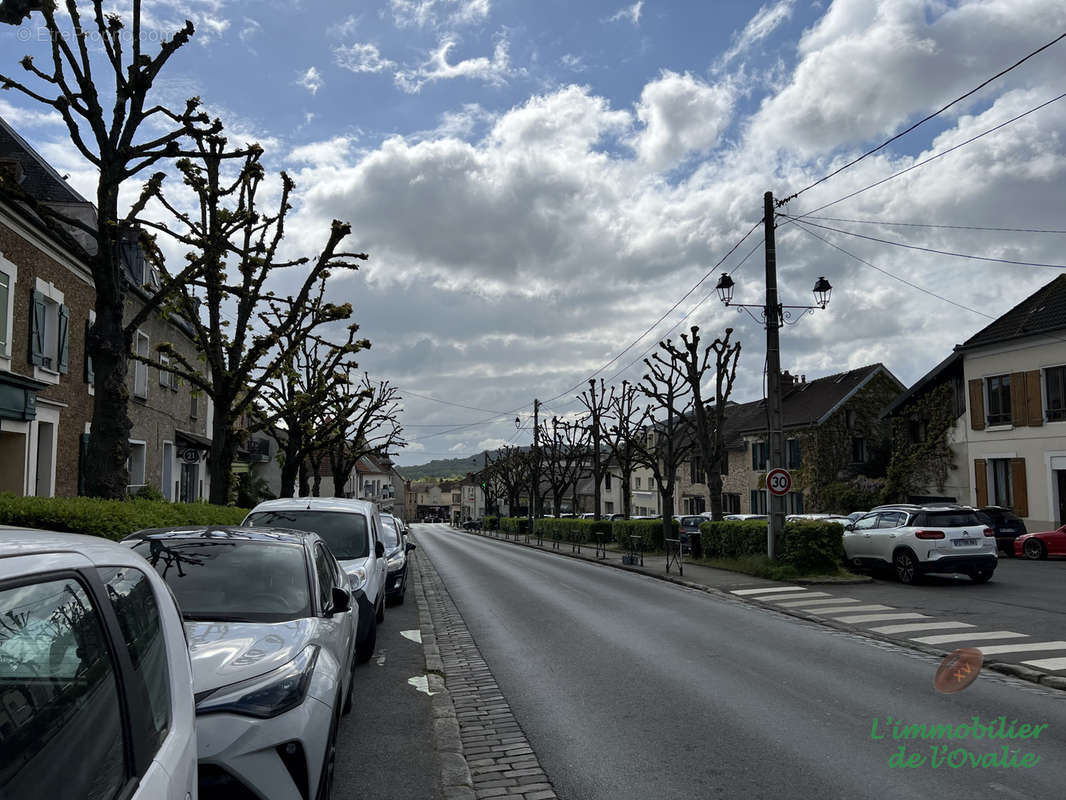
point(164, 376)
point(695, 469)
point(636, 482)
point(194, 407)
point(607, 481)
point(795, 457)
point(608, 507)
point(49, 332)
point(138, 616)
point(758, 501)
point(891, 519)
point(758, 456)
point(140, 369)
point(325, 578)
point(5, 313)
point(998, 388)
point(695, 505)
point(858, 450)
point(345, 534)
point(58, 683)
point(651, 483)
point(1055, 390)
point(136, 463)
point(1002, 491)
point(730, 503)
point(90, 375)
point(794, 502)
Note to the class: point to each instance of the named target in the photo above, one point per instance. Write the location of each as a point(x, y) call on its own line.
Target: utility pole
point(595, 410)
point(776, 438)
point(534, 465)
point(485, 482)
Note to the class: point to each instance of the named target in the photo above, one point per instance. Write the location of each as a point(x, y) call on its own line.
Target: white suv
point(96, 693)
point(352, 529)
point(916, 540)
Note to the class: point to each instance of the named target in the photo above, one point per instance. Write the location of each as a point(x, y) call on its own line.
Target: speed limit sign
point(778, 481)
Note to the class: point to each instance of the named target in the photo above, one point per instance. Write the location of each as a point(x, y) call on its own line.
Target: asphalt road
point(630, 687)
point(385, 746)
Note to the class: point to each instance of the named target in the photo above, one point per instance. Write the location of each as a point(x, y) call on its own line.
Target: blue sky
point(537, 182)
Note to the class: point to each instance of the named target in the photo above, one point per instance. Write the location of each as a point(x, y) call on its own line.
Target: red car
point(1041, 545)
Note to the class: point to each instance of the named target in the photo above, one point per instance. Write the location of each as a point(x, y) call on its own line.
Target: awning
point(18, 396)
point(194, 440)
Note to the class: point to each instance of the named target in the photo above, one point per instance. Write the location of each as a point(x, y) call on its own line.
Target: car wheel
point(381, 610)
point(329, 763)
point(906, 566)
point(365, 649)
point(1034, 549)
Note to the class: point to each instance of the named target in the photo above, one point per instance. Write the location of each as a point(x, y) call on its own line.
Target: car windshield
point(389, 537)
point(344, 532)
point(233, 580)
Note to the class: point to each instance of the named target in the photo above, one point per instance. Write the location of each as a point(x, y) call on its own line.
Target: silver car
point(270, 625)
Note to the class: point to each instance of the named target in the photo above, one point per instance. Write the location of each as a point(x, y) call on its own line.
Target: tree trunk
point(109, 437)
point(289, 472)
point(714, 486)
point(627, 491)
point(305, 484)
point(316, 473)
point(668, 513)
point(220, 459)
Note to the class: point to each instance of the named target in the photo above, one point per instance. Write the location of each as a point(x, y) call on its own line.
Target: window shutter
point(1019, 490)
point(64, 339)
point(754, 455)
point(980, 481)
point(37, 324)
point(90, 375)
point(754, 501)
point(977, 405)
point(1019, 408)
point(1032, 391)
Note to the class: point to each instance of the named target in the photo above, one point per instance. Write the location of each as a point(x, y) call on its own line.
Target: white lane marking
point(380, 660)
point(771, 599)
point(1050, 664)
point(850, 609)
point(999, 787)
point(414, 636)
point(829, 602)
point(764, 590)
point(921, 626)
point(788, 596)
point(1022, 647)
point(879, 617)
point(947, 638)
point(421, 683)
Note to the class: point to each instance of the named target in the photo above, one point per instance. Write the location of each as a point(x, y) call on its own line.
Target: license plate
point(963, 542)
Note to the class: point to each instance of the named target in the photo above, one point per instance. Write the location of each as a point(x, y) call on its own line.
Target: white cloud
point(20, 117)
point(363, 57)
point(631, 13)
point(766, 20)
point(682, 115)
point(249, 29)
point(493, 71)
point(311, 80)
point(346, 28)
point(491, 444)
point(438, 13)
point(573, 63)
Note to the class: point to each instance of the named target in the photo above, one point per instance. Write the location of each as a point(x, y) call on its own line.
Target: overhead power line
point(951, 253)
point(932, 225)
point(923, 120)
point(449, 403)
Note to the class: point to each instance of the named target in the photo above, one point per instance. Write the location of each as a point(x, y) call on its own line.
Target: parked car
point(270, 625)
point(1007, 525)
point(1041, 545)
point(352, 529)
point(396, 549)
point(472, 525)
point(89, 630)
point(690, 533)
point(916, 540)
point(854, 516)
point(746, 516)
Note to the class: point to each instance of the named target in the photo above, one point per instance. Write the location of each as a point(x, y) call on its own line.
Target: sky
point(537, 183)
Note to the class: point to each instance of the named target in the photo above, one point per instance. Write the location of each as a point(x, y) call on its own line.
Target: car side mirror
point(341, 601)
point(410, 546)
point(379, 549)
point(849, 527)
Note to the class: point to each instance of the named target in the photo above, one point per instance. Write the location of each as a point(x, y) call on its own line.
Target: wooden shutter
point(1019, 490)
point(1032, 391)
point(37, 324)
point(980, 481)
point(1019, 407)
point(64, 339)
point(977, 405)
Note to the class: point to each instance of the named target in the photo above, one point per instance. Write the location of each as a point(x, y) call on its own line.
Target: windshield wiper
point(198, 617)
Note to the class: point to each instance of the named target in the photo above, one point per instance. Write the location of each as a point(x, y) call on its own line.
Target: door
point(885, 535)
point(1060, 475)
point(189, 479)
point(168, 471)
point(858, 542)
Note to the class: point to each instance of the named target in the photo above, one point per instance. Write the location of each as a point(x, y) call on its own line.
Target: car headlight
point(395, 561)
point(267, 695)
point(357, 578)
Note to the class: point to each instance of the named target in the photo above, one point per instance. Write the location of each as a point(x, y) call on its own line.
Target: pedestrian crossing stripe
point(850, 609)
point(913, 627)
point(831, 601)
point(1050, 664)
point(948, 638)
point(773, 598)
point(880, 617)
point(1022, 647)
point(766, 590)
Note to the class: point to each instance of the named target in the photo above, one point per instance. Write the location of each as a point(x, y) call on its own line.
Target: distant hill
point(441, 468)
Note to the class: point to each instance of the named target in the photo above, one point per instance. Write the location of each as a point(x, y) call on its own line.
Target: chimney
point(787, 382)
point(803, 378)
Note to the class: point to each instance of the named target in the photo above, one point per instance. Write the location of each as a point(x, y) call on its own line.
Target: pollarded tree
point(238, 245)
point(512, 470)
point(371, 424)
point(705, 424)
point(564, 451)
point(623, 425)
point(101, 92)
point(597, 406)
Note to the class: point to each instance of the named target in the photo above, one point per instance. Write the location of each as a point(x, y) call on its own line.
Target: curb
point(455, 779)
point(1013, 670)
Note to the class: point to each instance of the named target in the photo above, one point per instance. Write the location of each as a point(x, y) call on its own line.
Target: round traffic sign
point(778, 481)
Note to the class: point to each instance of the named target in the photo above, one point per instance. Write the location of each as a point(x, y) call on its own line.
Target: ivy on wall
point(926, 459)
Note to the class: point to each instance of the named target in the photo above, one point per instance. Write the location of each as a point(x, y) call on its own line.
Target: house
point(47, 300)
point(833, 432)
point(995, 411)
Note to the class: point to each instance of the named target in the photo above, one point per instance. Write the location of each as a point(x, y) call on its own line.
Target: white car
point(352, 529)
point(96, 692)
point(269, 621)
point(915, 540)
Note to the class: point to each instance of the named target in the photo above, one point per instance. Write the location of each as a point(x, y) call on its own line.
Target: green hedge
point(111, 519)
point(490, 523)
point(810, 546)
point(511, 524)
point(649, 530)
point(570, 529)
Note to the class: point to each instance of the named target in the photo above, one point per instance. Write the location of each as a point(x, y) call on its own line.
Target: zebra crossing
point(1049, 656)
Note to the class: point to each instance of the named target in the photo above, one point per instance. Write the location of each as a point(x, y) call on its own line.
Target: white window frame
point(138, 366)
point(144, 467)
point(12, 272)
point(167, 483)
point(92, 321)
point(164, 376)
point(54, 297)
point(1043, 395)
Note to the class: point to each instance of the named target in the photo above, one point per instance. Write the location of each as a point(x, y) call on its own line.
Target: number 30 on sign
point(778, 481)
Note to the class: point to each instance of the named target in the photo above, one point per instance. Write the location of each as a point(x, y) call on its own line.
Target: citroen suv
point(916, 540)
